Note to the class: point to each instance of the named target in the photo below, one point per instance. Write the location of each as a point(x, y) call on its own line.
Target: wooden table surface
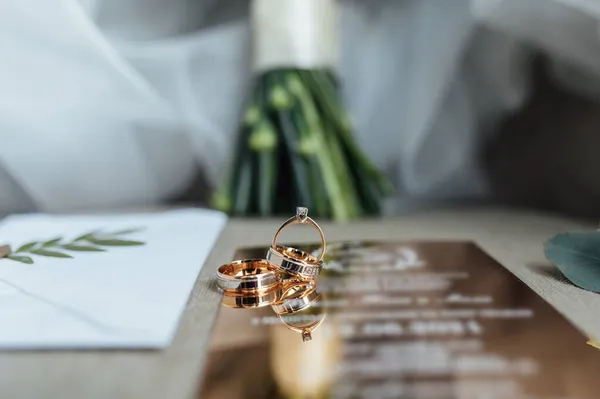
point(513, 238)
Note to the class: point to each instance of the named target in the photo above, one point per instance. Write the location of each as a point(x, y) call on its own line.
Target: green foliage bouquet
point(295, 145)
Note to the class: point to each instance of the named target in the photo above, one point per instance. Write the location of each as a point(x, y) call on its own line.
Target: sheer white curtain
point(109, 103)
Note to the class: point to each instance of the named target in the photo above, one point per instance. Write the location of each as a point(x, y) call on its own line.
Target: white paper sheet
point(126, 297)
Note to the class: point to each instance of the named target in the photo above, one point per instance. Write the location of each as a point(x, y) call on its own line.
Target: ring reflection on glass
point(296, 298)
point(247, 275)
point(306, 330)
point(258, 299)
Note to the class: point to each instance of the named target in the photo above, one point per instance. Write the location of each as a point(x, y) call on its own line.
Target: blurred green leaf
point(22, 259)
point(27, 247)
point(280, 98)
point(85, 236)
point(577, 256)
point(252, 115)
point(52, 242)
point(113, 242)
point(52, 254)
point(221, 201)
point(82, 248)
point(263, 138)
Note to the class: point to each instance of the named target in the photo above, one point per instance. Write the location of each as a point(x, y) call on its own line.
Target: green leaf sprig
point(58, 247)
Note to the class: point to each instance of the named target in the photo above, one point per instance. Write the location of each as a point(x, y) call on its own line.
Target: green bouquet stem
point(296, 148)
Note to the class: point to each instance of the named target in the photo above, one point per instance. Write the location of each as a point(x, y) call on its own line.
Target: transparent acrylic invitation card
point(424, 320)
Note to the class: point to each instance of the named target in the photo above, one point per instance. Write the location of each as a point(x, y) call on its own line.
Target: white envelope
point(126, 297)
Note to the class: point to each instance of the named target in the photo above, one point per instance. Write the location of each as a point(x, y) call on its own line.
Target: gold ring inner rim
point(248, 269)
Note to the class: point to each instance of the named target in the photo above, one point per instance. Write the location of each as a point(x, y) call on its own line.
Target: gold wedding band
point(247, 275)
point(244, 300)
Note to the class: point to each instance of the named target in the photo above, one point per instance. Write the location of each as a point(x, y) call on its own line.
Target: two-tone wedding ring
point(295, 261)
point(247, 275)
point(244, 300)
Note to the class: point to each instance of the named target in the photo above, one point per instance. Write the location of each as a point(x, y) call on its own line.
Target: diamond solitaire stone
point(302, 213)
